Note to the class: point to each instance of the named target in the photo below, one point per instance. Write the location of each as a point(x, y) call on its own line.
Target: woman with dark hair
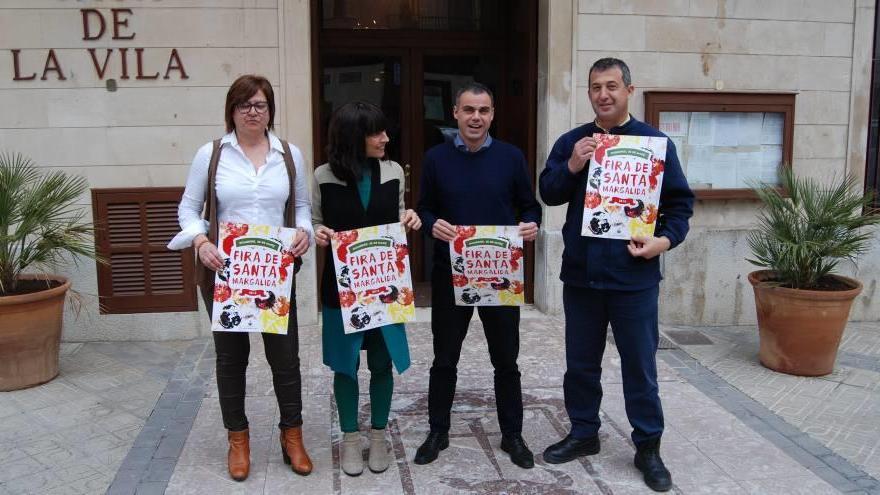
point(359, 188)
point(249, 176)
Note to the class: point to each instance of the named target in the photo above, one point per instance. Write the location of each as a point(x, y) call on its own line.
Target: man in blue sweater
point(474, 180)
point(612, 281)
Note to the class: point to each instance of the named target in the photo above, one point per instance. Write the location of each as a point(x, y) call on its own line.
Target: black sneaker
point(429, 450)
point(570, 448)
point(518, 450)
point(648, 461)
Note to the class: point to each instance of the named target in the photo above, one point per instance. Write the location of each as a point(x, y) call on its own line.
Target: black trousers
point(449, 326)
point(282, 353)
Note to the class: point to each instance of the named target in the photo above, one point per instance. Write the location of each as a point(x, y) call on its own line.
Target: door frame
point(409, 43)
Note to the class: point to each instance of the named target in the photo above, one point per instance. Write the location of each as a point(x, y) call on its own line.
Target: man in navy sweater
point(608, 280)
point(474, 180)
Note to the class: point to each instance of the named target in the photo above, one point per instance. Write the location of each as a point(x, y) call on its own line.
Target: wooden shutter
point(143, 276)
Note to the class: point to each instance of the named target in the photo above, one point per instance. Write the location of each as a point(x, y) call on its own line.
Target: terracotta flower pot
point(30, 335)
point(800, 330)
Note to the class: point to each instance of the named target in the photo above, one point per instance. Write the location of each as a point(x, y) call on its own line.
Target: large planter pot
point(800, 330)
point(30, 336)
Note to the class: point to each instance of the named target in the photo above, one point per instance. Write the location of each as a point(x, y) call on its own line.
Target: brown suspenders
point(204, 275)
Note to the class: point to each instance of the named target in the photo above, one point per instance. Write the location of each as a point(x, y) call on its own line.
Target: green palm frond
point(803, 237)
point(41, 224)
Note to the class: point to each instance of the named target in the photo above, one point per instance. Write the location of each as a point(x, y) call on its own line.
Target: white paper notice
point(674, 124)
point(725, 127)
point(700, 129)
point(771, 161)
point(723, 169)
point(679, 146)
point(749, 167)
point(750, 128)
point(699, 166)
point(772, 128)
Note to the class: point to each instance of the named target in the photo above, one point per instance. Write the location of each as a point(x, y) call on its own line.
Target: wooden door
point(411, 69)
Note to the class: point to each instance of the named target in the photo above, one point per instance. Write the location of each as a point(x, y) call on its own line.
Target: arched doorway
point(409, 57)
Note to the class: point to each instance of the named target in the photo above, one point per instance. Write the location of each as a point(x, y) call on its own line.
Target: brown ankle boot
point(294, 451)
point(239, 459)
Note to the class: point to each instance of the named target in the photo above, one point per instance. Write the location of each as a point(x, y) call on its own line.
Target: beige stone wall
point(146, 132)
point(819, 49)
point(555, 116)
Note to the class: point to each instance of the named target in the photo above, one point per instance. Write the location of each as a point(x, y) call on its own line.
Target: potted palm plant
point(802, 305)
point(41, 226)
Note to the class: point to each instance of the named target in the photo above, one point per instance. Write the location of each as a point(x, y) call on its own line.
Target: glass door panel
point(420, 15)
point(442, 77)
point(372, 78)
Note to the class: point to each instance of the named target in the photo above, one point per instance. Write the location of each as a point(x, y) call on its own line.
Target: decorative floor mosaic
point(144, 418)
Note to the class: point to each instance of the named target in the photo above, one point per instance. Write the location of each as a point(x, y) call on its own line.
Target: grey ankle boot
point(379, 457)
point(352, 455)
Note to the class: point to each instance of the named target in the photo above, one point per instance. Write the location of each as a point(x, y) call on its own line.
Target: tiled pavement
point(70, 435)
point(840, 410)
point(136, 415)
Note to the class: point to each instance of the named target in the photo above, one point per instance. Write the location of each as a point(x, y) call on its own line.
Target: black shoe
point(518, 450)
point(431, 448)
point(648, 461)
point(570, 448)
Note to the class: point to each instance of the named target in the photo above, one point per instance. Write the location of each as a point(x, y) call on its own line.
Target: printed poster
point(252, 291)
point(487, 266)
point(373, 277)
point(623, 186)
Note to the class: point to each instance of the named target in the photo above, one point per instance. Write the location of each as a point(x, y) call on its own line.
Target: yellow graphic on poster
point(623, 186)
point(487, 265)
point(252, 291)
point(373, 277)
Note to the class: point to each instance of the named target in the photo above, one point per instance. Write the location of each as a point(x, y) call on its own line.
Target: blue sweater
point(597, 263)
point(488, 187)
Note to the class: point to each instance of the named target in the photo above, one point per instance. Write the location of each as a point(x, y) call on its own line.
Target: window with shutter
point(143, 276)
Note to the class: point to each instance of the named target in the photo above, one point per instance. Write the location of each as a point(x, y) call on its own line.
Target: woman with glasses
point(252, 185)
point(358, 188)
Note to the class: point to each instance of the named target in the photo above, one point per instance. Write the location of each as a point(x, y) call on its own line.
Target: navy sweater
point(488, 187)
point(605, 263)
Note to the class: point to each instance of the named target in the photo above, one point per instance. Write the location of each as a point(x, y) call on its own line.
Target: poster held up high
point(623, 186)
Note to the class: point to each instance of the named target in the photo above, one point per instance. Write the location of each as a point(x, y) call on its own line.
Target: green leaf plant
point(803, 237)
point(41, 226)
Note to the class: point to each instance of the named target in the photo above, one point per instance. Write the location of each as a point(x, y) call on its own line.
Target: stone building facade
point(123, 92)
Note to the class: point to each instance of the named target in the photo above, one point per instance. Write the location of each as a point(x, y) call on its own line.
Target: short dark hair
point(604, 64)
point(350, 126)
point(475, 88)
point(242, 90)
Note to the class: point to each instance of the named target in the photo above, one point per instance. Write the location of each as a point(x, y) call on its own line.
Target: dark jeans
point(449, 325)
point(634, 322)
point(282, 353)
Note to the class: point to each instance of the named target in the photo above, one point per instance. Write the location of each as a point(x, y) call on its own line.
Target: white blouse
point(243, 195)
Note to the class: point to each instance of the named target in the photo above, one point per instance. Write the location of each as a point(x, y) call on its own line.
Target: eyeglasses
point(259, 106)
